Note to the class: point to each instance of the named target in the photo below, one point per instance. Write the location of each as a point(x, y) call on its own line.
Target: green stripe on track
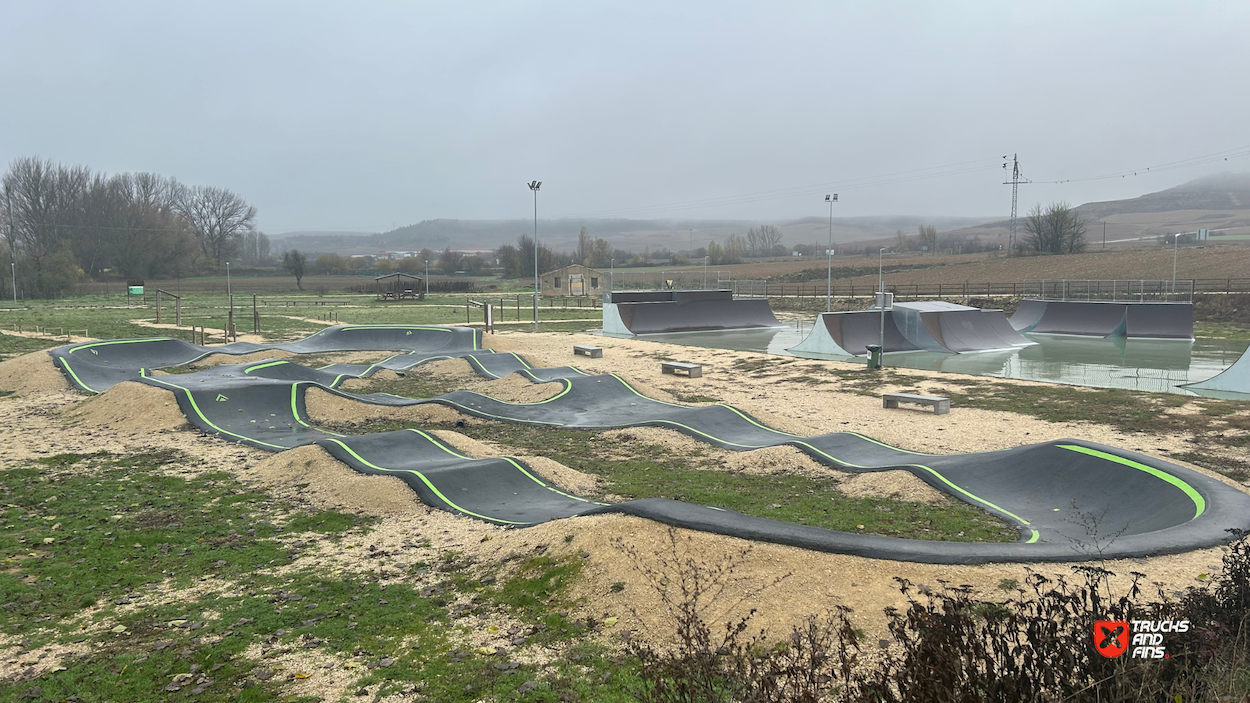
point(264, 366)
point(428, 484)
point(1200, 504)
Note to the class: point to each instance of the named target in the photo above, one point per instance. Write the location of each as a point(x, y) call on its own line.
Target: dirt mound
point(898, 484)
point(219, 359)
point(328, 408)
point(564, 478)
point(326, 482)
point(449, 368)
point(515, 388)
point(32, 373)
point(130, 406)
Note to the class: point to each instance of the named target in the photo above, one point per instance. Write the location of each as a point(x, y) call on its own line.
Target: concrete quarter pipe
point(1105, 319)
point(1234, 379)
point(1042, 489)
point(928, 326)
point(632, 313)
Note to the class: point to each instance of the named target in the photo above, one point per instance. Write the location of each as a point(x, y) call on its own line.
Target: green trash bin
point(874, 356)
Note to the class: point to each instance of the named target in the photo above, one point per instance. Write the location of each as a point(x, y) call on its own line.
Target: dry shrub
point(946, 646)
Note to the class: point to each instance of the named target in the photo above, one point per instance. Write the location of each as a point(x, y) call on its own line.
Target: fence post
point(255, 317)
point(158, 306)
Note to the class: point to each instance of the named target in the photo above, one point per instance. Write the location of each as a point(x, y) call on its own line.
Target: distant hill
point(1218, 202)
point(1221, 191)
point(633, 235)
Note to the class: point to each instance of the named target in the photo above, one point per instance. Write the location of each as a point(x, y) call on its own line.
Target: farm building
point(400, 286)
point(573, 280)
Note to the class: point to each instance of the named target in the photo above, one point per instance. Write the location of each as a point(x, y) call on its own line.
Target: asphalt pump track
point(1070, 500)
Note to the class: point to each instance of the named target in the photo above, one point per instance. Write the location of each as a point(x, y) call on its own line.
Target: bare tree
point(449, 261)
point(585, 247)
point(1057, 229)
point(929, 237)
point(295, 262)
point(762, 240)
point(218, 217)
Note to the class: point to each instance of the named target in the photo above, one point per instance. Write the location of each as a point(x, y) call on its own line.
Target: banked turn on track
point(1045, 490)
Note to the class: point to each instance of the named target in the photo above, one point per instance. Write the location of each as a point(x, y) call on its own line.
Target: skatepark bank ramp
point(1154, 506)
point(923, 326)
point(1149, 320)
point(633, 313)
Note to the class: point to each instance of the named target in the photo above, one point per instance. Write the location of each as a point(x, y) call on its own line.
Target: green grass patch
point(1221, 330)
point(11, 346)
point(128, 540)
point(413, 385)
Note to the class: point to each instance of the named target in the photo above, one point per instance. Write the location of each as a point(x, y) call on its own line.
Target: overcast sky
point(364, 115)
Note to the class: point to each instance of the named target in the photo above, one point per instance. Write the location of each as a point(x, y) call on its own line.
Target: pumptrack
point(1051, 491)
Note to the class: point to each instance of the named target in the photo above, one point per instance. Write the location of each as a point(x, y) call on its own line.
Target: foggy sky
point(362, 116)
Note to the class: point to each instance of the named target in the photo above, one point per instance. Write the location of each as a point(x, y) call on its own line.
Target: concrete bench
point(692, 370)
point(940, 405)
point(587, 350)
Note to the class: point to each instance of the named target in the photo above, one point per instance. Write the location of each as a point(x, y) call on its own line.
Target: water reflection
point(1156, 365)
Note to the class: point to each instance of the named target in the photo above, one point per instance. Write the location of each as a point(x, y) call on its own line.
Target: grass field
point(107, 317)
point(155, 588)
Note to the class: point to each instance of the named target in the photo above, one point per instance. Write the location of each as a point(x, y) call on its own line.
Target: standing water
point(1154, 365)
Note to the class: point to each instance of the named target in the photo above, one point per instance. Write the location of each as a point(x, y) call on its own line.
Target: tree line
point(63, 224)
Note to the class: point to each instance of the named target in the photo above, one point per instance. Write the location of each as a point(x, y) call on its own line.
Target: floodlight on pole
point(1176, 238)
point(534, 186)
point(831, 199)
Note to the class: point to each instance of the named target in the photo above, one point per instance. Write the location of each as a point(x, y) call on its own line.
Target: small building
point(400, 286)
point(573, 280)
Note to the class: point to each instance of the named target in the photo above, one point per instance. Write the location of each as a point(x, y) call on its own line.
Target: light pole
point(14, 266)
point(831, 199)
point(881, 304)
point(879, 278)
point(227, 279)
point(705, 260)
point(1176, 238)
point(534, 186)
point(427, 279)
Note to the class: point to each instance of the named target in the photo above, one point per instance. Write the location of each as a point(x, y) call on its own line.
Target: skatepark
point(295, 415)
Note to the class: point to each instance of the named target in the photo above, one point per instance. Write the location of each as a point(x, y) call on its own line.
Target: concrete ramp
point(947, 327)
point(1234, 379)
point(965, 331)
point(632, 313)
point(1028, 315)
point(850, 333)
point(1105, 319)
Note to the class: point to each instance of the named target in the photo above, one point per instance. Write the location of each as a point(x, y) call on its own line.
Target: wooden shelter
point(400, 286)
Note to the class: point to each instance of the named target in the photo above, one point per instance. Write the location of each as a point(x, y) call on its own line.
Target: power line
point(795, 191)
point(1225, 155)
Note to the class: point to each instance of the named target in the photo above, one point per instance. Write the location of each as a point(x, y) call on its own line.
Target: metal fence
point(1052, 289)
point(1131, 290)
